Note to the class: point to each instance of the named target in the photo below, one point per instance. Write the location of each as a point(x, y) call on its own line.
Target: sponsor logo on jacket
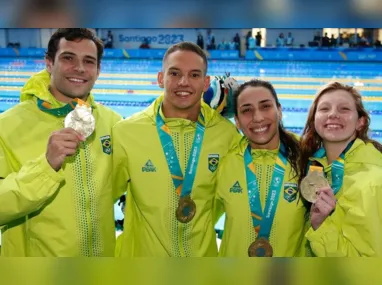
point(149, 167)
point(236, 188)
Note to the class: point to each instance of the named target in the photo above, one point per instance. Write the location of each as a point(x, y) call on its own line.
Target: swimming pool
point(128, 86)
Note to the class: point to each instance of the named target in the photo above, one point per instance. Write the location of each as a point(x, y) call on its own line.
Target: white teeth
point(332, 126)
point(183, 93)
point(76, 80)
point(260, 130)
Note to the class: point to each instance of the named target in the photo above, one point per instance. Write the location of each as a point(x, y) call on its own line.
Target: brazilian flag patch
point(213, 162)
point(106, 144)
point(290, 192)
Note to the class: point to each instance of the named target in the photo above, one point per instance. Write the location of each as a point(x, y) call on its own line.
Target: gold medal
point(81, 119)
point(260, 248)
point(186, 209)
point(312, 182)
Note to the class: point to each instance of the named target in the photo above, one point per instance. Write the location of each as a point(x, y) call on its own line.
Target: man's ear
point(207, 81)
point(49, 64)
point(160, 79)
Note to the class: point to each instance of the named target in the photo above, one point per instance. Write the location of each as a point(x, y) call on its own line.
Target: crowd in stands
point(343, 40)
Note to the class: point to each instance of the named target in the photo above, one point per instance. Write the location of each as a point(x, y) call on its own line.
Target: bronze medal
point(260, 248)
point(186, 209)
point(311, 183)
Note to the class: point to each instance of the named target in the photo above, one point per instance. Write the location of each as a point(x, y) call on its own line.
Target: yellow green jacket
point(355, 227)
point(140, 168)
point(288, 228)
point(48, 213)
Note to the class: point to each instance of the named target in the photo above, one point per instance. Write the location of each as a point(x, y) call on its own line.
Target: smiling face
point(258, 116)
point(74, 69)
point(184, 81)
point(336, 119)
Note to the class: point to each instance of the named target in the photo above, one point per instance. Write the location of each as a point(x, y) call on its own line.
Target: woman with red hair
point(346, 211)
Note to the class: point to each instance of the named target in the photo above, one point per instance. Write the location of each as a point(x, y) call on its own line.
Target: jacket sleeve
point(26, 190)
point(354, 228)
point(121, 177)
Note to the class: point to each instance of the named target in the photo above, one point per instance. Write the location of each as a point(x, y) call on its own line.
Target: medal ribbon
point(262, 220)
point(183, 185)
point(337, 167)
point(61, 111)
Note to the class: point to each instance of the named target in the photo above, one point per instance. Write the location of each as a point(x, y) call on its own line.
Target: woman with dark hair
point(257, 181)
point(346, 211)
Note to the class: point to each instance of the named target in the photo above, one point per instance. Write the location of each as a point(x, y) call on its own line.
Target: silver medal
point(81, 120)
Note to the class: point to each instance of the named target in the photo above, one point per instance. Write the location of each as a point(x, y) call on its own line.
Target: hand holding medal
point(61, 144)
point(316, 189)
point(323, 207)
point(79, 124)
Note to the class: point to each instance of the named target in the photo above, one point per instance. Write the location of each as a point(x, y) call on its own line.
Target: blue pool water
point(128, 86)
